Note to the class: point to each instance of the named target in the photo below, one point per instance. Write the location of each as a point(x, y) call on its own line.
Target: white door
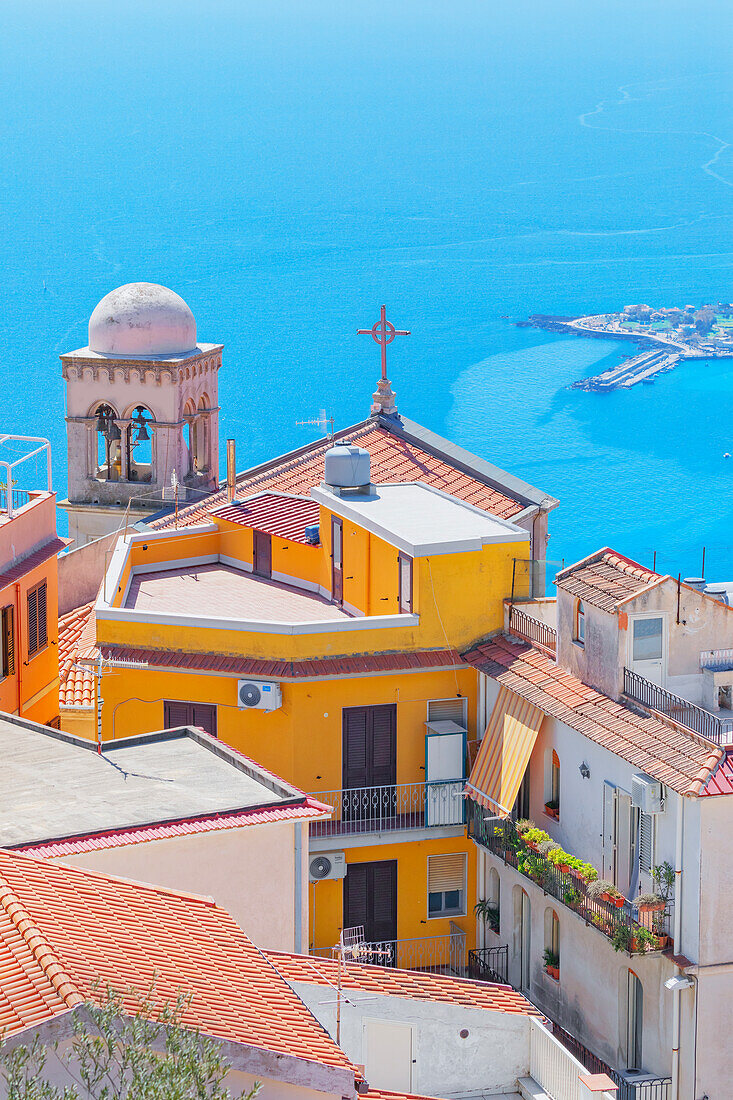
point(444, 754)
point(388, 1055)
point(647, 648)
point(624, 842)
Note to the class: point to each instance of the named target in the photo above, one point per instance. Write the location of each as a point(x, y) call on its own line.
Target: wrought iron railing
point(680, 710)
point(391, 808)
point(625, 927)
point(647, 1088)
point(18, 499)
point(430, 954)
point(489, 964)
point(532, 630)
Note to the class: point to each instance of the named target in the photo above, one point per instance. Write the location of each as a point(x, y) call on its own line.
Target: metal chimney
point(231, 470)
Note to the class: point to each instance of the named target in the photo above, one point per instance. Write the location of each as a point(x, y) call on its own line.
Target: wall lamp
point(679, 981)
point(584, 770)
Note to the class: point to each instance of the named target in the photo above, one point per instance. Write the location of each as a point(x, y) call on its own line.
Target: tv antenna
point(352, 946)
point(325, 423)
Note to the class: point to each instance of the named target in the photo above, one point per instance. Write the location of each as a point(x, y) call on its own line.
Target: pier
point(642, 368)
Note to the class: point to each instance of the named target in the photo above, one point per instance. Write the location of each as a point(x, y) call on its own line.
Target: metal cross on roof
point(383, 332)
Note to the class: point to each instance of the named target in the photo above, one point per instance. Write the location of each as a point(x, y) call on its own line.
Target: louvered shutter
point(204, 716)
point(177, 714)
point(355, 896)
point(42, 616)
point(383, 923)
point(355, 772)
point(32, 622)
point(8, 628)
point(446, 873)
point(383, 770)
point(646, 842)
point(447, 710)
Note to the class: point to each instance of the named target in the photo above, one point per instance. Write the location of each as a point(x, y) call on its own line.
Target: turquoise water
point(288, 166)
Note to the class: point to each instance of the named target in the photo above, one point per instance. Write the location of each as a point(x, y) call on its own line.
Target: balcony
point(489, 964)
point(652, 697)
point(360, 811)
point(429, 954)
point(532, 630)
point(645, 1088)
point(624, 927)
point(716, 660)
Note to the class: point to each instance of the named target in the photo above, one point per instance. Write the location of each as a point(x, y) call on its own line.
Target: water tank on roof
point(347, 467)
point(695, 582)
point(720, 590)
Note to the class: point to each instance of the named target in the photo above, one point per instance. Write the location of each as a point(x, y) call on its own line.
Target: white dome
point(142, 321)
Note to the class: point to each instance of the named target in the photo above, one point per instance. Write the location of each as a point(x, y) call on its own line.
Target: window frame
point(7, 641)
point(41, 644)
point(579, 624)
point(405, 560)
point(448, 911)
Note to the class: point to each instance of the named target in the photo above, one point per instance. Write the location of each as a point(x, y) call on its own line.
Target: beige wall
point(250, 872)
point(82, 569)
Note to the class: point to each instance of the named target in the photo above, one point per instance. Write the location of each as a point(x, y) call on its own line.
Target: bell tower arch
point(142, 411)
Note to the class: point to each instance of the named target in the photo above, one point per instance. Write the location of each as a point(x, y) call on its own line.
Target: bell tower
point(142, 411)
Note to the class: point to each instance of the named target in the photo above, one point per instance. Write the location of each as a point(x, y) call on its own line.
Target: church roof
point(404, 452)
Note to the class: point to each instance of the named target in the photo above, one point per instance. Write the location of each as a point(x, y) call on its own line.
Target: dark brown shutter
point(32, 622)
point(355, 728)
point(369, 746)
point(176, 714)
point(204, 715)
point(262, 555)
point(383, 770)
point(42, 616)
point(8, 628)
point(355, 895)
point(384, 900)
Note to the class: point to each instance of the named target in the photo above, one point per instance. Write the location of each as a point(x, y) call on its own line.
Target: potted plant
point(534, 837)
point(664, 876)
point(649, 905)
point(622, 938)
point(523, 825)
point(644, 941)
point(552, 808)
point(488, 913)
point(558, 858)
point(572, 897)
point(603, 890)
point(552, 964)
point(548, 846)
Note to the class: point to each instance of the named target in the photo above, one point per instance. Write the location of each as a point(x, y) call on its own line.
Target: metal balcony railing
point(717, 660)
point(18, 499)
point(489, 964)
point(625, 927)
point(646, 1088)
point(709, 725)
point(391, 808)
point(532, 630)
point(430, 954)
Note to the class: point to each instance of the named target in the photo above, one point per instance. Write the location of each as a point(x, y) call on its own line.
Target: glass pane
point(435, 903)
point(405, 586)
point(452, 899)
point(647, 639)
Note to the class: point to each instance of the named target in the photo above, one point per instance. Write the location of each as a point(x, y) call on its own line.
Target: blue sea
point(288, 166)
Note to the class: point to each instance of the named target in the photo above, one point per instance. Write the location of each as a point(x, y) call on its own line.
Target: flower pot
point(555, 814)
point(554, 972)
point(662, 942)
point(564, 867)
point(657, 907)
point(619, 902)
point(608, 898)
point(531, 844)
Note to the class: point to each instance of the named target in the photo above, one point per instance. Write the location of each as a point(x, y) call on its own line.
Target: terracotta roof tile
point(402, 983)
point(606, 579)
point(63, 928)
point(50, 549)
point(76, 639)
point(664, 750)
point(277, 514)
point(393, 458)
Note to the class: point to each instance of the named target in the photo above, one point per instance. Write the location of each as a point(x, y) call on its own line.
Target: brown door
point(369, 746)
point(370, 899)
point(337, 560)
point(189, 714)
point(262, 563)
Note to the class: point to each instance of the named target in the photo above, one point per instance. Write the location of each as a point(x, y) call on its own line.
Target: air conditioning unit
point(259, 695)
point(647, 794)
point(327, 865)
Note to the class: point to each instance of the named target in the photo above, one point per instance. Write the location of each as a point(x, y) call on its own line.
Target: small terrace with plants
point(637, 927)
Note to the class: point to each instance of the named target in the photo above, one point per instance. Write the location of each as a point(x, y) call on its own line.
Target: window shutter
point(176, 714)
point(204, 715)
point(355, 747)
point(8, 628)
point(384, 894)
point(447, 710)
point(446, 873)
point(382, 742)
point(355, 895)
point(42, 616)
point(646, 842)
point(32, 622)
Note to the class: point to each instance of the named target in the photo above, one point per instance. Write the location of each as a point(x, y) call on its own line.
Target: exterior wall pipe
point(677, 945)
point(298, 887)
point(231, 471)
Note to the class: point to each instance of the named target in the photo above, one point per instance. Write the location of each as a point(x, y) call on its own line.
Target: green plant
point(645, 940)
point(488, 912)
point(648, 899)
point(535, 836)
point(663, 875)
point(551, 958)
point(548, 846)
point(621, 938)
point(553, 804)
point(601, 886)
point(523, 824)
point(571, 896)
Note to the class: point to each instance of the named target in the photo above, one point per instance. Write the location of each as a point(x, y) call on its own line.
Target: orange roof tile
point(402, 983)
point(606, 579)
point(394, 458)
point(277, 514)
point(64, 928)
point(677, 757)
point(77, 638)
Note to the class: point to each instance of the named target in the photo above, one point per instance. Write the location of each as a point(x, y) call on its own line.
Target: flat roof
point(219, 591)
point(56, 785)
point(420, 519)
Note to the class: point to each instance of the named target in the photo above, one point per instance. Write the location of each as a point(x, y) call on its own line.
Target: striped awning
point(504, 752)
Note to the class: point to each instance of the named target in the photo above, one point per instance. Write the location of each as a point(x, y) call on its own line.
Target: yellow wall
point(35, 681)
point(326, 898)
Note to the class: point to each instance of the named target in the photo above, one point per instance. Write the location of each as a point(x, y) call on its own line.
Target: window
point(37, 619)
point(552, 784)
point(448, 710)
point(405, 575)
point(177, 714)
point(521, 806)
point(634, 1022)
point(552, 944)
point(579, 622)
point(493, 917)
point(646, 842)
point(647, 639)
point(7, 642)
point(446, 886)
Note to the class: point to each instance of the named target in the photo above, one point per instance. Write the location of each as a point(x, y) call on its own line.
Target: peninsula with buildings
point(664, 337)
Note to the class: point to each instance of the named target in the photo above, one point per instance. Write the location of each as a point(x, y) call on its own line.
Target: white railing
point(554, 1068)
point(392, 807)
point(431, 954)
point(716, 659)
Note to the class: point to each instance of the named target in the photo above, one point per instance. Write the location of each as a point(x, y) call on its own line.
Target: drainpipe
point(298, 884)
point(677, 947)
point(231, 471)
point(18, 648)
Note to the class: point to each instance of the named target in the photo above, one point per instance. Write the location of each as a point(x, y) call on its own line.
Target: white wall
point(250, 872)
point(489, 1059)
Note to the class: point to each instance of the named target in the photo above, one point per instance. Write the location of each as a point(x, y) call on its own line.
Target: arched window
point(634, 1022)
point(552, 784)
point(191, 436)
point(522, 936)
point(579, 630)
point(551, 956)
point(494, 900)
point(139, 435)
point(108, 450)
